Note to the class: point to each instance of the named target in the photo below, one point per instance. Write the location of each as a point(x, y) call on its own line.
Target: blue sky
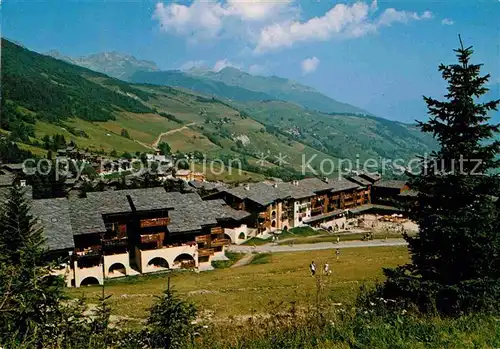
point(381, 56)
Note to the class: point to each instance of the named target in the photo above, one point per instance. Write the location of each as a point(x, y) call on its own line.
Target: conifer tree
point(30, 296)
point(170, 322)
point(455, 257)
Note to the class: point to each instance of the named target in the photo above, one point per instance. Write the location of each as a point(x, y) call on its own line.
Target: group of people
point(326, 267)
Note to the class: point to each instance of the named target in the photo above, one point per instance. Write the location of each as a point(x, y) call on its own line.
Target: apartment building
point(128, 232)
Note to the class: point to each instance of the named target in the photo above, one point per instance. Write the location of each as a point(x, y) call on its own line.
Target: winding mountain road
point(158, 139)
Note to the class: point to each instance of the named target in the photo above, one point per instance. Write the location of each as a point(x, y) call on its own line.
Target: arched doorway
point(117, 269)
point(227, 237)
point(184, 261)
point(158, 262)
point(90, 280)
point(242, 236)
point(273, 224)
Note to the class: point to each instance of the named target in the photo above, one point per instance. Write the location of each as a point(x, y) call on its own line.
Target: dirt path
point(244, 261)
point(158, 139)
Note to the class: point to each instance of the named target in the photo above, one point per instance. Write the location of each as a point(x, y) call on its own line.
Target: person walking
point(326, 269)
point(337, 253)
point(312, 267)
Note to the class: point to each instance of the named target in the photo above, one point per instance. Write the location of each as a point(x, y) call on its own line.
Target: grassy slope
point(238, 291)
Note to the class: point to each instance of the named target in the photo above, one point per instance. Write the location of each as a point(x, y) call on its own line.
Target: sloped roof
point(264, 194)
point(359, 180)
point(391, 183)
point(54, 216)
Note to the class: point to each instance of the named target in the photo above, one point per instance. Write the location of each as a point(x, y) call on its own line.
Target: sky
point(381, 56)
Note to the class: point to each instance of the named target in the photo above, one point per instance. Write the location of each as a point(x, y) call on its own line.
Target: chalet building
point(128, 232)
point(284, 205)
point(388, 192)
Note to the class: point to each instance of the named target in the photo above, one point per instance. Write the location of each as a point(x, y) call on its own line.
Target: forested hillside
point(43, 96)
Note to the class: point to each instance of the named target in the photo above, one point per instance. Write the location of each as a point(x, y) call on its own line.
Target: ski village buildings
point(128, 232)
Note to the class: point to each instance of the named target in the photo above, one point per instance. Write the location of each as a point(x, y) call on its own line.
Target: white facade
point(144, 257)
point(236, 233)
point(301, 211)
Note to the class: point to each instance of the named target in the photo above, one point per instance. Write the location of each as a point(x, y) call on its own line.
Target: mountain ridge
point(127, 67)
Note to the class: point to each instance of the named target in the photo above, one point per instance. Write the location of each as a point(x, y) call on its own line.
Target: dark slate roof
point(148, 199)
point(343, 184)
point(109, 202)
point(6, 179)
point(13, 167)
point(207, 185)
point(391, 183)
point(359, 180)
point(372, 177)
point(85, 216)
point(54, 216)
point(192, 213)
point(264, 194)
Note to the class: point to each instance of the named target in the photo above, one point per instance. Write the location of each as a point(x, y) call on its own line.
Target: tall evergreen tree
point(455, 256)
point(30, 296)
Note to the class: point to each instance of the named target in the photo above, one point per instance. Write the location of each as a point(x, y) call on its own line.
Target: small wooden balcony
point(203, 238)
point(203, 252)
point(220, 242)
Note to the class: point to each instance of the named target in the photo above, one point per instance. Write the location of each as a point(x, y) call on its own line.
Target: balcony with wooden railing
point(216, 231)
point(154, 222)
point(203, 239)
point(203, 252)
point(220, 242)
point(88, 251)
point(317, 210)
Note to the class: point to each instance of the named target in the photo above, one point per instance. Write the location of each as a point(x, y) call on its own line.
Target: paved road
point(313, 247)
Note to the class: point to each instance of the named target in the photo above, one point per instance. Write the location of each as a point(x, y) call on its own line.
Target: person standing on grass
point(312, 267)
point(337, 253)
point(338, 239)
point(326, 269)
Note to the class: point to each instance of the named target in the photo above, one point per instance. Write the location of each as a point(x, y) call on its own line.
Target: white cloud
point(209, 19)
point(341, 21)
point(193, 65)
point(309, 65)
point(447, 21)
point(224, 63)
point(274, 24)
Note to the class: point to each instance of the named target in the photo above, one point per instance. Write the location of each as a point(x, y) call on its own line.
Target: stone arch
point(273, 214)
point(184, 260)
point(158, 262)
point(89, 280)
point(227, 237)
point(117, 267)
point(242, 236)
point(273, 224)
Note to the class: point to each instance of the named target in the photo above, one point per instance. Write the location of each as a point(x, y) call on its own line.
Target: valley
point(234, 122)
